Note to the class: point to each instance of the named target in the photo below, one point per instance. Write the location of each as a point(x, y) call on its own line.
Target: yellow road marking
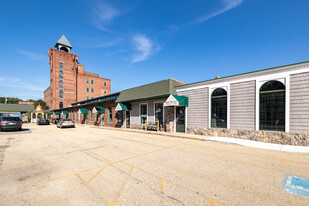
point(111, 204)
point(161, 192)
point(118, 194)
point(212, 202)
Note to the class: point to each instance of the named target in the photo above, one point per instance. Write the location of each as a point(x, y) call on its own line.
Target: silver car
point(65, 123)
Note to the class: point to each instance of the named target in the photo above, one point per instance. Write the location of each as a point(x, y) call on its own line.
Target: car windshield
point(10, 118)
point(67, 120)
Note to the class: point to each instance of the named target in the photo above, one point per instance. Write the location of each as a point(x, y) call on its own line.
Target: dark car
point(42, 121)
point(10, 123)
point(55, 121)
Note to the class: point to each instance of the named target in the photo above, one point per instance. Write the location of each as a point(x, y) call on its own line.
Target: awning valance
point(65, 112)
point(99, 110)
point(57, 113)
point(83, 111)
point(175, 100)
point(122, 107)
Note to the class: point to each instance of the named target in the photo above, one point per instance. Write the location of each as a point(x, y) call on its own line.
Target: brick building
point(69, 82)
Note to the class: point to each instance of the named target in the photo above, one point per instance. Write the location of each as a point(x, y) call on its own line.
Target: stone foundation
point(262, 136)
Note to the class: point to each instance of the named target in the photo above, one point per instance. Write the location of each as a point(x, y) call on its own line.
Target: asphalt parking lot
point(44, 165)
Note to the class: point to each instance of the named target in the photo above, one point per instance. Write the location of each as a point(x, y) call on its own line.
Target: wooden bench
point(152, 125)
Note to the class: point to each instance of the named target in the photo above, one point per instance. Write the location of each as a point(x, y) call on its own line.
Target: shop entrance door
point(127, 119)
point(102, 119)
point(180, 119)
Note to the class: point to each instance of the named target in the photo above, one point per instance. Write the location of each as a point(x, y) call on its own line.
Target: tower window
point(87, 80)
point(91, 81)
point(87, 89)
point(61, 74)
point(60, 94)
point(105, 84)
point(92, 90)
point(60, 105)
point(61, 84)
point(87, 97)
point(104, 92)
point(61, 65)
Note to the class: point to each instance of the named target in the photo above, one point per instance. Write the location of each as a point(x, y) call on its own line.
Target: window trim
point(140, 117)
point(225, 86)
point(283, 78)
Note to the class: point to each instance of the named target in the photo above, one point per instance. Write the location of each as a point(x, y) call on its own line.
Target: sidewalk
point(243, 142)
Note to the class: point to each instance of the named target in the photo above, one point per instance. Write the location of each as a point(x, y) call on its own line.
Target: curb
point(261, 145)
point(176, 135)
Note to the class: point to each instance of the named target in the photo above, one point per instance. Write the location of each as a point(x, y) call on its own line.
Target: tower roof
point(63, 41)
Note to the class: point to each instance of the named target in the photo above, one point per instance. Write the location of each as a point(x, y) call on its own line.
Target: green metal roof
point(149, 91)
point(16, 108)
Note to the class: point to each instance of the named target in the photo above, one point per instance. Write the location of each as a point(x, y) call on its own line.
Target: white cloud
point(31, 55)
point(102, 14)
point(144, 47)
point(228, 5)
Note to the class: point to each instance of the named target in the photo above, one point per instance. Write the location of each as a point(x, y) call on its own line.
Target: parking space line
point(162, 192)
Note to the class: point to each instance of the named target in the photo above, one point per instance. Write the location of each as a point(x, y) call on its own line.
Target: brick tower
point(69, 82)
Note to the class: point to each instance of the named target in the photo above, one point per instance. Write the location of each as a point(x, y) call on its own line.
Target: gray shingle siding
point(242, 105)
point(197, 111)
point(299, 103)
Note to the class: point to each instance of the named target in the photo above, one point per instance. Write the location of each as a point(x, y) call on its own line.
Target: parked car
point(56, 120)
point(65, 123)
point(42, 121)
point(10, 123)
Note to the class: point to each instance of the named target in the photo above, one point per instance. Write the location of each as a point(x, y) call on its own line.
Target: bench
point(152, 125)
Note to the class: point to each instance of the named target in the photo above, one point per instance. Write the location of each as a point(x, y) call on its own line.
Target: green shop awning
point(57, 113)
point(83, 111)
point(50, 112)
point(100, 110)
point(122, 107)
point(175, 100)
point(65, 112)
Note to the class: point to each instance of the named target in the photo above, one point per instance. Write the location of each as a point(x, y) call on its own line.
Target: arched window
point(272, 106)
point(61, 84)
point(219, 108)
point(60, 105)
point(61, 74)
point(60, 94)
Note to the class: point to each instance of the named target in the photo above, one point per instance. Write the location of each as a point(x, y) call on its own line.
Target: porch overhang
point(175, 100)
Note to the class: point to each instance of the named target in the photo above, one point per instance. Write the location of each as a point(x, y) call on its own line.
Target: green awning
point(57, 113)
point(175, 100)
point(100, 110)
point(122, 107)
point(65, 112)
point(83, 111)
point(50, 112)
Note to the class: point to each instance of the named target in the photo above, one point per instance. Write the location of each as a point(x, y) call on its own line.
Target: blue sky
point(141, 41)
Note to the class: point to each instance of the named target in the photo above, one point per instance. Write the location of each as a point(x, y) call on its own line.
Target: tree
point(10, 100)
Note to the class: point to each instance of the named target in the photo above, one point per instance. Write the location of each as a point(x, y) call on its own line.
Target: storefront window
point(219, 108)
point(110, 115)
point(159, 112)
point(143, 113)
point(272, 106)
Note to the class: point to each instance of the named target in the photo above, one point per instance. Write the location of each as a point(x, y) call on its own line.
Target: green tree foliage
point(10, 100)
